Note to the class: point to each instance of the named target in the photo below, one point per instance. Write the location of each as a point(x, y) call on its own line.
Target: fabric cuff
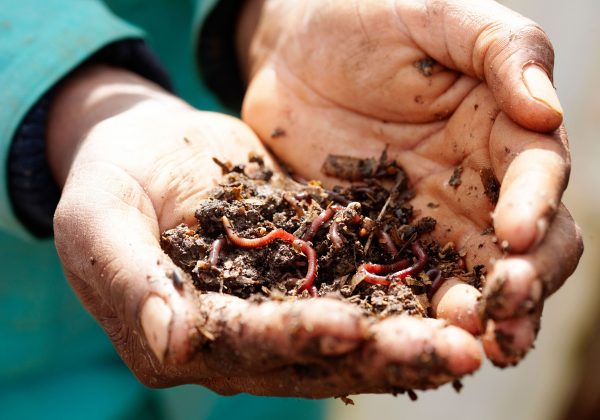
point(215, 25)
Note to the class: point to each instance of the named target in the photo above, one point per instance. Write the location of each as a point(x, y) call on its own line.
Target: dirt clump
point(261, 235)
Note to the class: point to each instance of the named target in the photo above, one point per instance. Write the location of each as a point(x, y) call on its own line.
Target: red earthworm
point(334, 235)
point(371, 270)
point(299, 244)
point(332, 195)
point(416, 267)
point(435, 275)
point(357, 219)
point(319, 221)
point(215, 250)
point(303, 195)
point(371, 273)
point(311, 271)
point(385, 268)
point(387, 242)
point(372, 278)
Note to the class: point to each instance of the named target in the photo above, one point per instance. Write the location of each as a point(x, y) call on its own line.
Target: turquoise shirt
point(55, 361)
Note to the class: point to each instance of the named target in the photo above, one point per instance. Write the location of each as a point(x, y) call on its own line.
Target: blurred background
point(560, 379)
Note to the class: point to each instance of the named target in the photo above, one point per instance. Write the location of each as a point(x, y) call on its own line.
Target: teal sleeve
point(41, 41)
point(203, 10)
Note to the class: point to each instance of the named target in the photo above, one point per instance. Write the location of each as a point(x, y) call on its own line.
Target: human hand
point(444, 85)
point(135, 161)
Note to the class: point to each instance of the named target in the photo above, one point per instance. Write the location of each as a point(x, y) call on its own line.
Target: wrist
point(89, 96)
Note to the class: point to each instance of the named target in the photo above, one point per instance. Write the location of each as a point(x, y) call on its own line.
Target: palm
point(357, 78)
point(430, 148)
point(134, 199)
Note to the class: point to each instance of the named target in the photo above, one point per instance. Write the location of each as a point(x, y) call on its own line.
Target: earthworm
point(435, 275)
point(215, 250)
point(332, 195)
point(416, 267)
point(303, 195)
point(335, 236)
point(371, 271)
point(299, 244)
point(387, 242)
point(319, 221)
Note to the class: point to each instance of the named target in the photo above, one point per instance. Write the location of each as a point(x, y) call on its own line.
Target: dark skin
point(113, 207)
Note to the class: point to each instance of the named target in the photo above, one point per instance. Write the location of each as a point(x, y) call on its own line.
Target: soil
point(257, 230)
point(455, 179)
point(426, 66)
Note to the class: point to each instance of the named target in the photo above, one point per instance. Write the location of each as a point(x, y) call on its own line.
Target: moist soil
point(370, 246)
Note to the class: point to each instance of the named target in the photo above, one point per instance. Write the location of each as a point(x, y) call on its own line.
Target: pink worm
point(302, 246)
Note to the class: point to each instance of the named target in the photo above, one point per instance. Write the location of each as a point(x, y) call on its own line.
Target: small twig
point(225, 166)
point(294, 204)
point(383, 210)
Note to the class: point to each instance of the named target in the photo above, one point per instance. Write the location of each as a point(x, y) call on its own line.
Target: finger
point(518, 284)
point(273, 334)
point(404, 353)
point(132, 347)
point(489, 41)
point(107, 236)
point(458, 303)
point(534, 171)
point(507, 342)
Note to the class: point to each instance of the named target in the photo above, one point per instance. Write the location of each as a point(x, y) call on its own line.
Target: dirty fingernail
point(156, 318)
point(540, 87)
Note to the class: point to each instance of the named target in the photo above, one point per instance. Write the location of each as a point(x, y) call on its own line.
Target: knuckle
point(522, 42)
point(118, 291)
point(138, 359)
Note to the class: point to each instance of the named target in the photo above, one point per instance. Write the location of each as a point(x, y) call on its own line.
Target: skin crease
point(475, 110)
point(356, 101)
point(107, 227)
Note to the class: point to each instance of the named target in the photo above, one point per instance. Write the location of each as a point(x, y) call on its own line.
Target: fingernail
point(541, 228)
point(540, 87)
point(156, 318)
point(537, 291)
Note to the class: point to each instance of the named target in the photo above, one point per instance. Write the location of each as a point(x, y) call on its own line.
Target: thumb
point(484, 39)
point(106, 235)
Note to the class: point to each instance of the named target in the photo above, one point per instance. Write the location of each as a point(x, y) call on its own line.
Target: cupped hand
point(135, 161)
point(457, 87)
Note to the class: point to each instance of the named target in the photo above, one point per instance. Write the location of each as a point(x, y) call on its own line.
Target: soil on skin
point(370, 213)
